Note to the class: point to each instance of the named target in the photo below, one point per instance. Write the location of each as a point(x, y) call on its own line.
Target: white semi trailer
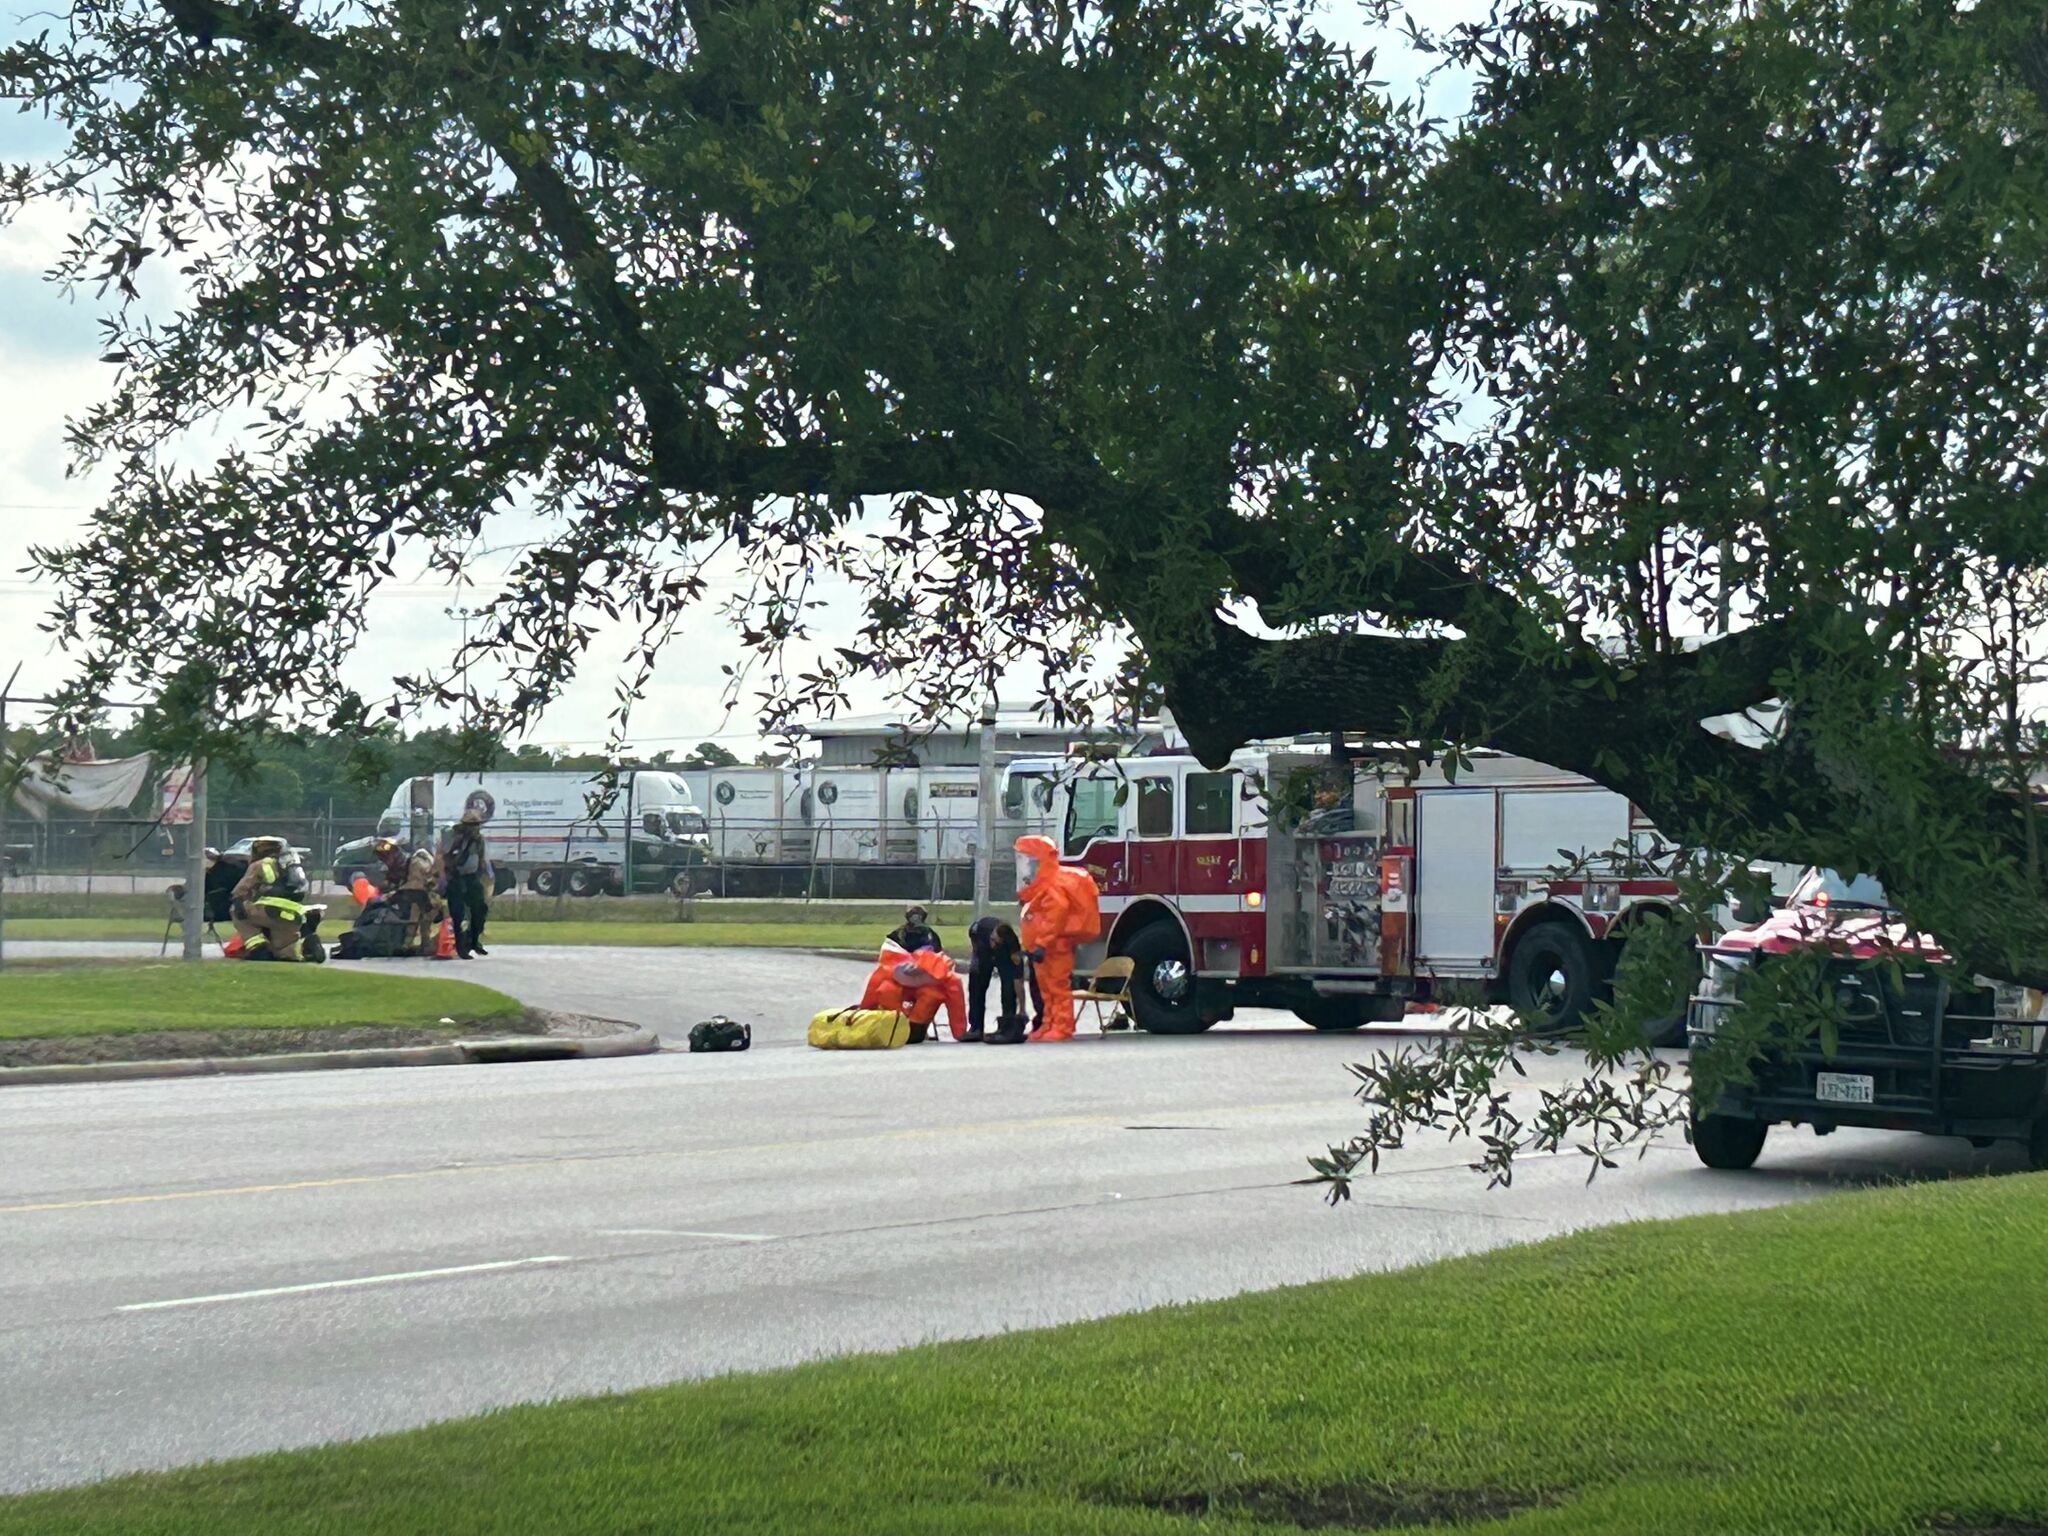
point(556, 832)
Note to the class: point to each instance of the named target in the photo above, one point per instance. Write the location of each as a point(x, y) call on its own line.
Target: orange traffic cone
point(444, 947)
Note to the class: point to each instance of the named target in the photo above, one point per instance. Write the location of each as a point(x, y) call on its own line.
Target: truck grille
point(1884, 1011)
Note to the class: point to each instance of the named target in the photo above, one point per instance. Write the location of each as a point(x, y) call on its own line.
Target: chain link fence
point(790, 860)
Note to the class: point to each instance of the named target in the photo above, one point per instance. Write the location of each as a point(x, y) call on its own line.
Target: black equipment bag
point(720, 1034)
point(382, 930)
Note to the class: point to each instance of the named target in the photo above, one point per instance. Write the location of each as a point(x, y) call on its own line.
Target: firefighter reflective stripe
point(291, 911)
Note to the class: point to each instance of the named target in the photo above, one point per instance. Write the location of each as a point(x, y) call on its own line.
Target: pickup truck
point(1915, 1052)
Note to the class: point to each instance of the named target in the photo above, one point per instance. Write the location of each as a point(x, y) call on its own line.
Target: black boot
point(1010, 1031)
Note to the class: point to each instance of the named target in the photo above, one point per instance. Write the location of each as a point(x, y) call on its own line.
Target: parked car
point(358, 857)
point(354, 858)
point(240, 850)
point(1916, 1052)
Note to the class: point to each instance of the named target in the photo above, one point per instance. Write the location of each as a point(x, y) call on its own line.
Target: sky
point(49, 372)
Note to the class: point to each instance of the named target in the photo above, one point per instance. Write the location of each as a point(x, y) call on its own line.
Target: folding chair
point(176, 921)
point(1111, 986)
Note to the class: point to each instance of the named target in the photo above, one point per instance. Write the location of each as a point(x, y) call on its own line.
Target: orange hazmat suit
point(1060, 912)
point(917, 984)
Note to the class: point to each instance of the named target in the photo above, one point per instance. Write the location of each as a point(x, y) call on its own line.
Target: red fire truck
point(1341, 890)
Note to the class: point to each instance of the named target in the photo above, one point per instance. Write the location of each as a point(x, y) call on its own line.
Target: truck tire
point(585, 880)
point(547, 882)
point(1728, 1141)
point(1341, 1013)
point(1669, 1031)
point(1555, 975)
point(1163, 982)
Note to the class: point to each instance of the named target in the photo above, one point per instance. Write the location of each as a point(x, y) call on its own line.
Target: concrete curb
point(457, 1053)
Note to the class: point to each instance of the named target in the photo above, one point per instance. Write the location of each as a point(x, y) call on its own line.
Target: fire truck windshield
point(1091, 813)
point(1824, 885)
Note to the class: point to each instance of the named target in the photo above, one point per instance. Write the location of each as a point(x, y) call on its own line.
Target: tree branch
point(1391, 581)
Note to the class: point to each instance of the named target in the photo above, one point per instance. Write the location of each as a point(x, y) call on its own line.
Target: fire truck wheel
point(1728, 1141)
point(1554, 976)
point(1163, 982)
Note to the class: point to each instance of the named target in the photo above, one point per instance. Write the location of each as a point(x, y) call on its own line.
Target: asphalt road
point(198, 1269)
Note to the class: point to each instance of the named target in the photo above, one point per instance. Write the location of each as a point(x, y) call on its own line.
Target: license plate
point(1844, 1087)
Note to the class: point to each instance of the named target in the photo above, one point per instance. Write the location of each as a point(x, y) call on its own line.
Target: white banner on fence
point(52, 784)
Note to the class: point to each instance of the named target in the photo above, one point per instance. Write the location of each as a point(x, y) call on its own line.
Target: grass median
point(78, 1014)
point(141, 999)
point(508, 931)
point(1866, 1364)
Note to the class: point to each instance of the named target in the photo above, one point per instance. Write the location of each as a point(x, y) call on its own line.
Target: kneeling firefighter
point(268, 906)
point(916, 984)
point(1061, 912)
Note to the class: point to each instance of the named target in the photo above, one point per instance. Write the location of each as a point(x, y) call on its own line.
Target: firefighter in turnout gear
point(1060, 912)
point(265, 906)
point(391, 859)
point(421, 896)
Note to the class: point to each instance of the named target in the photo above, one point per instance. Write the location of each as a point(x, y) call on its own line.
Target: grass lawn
point(146, 910)
point(1872, 1363)
point(702, 934)
point(132, 999)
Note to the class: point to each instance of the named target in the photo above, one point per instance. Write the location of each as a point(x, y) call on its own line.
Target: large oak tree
point(1697, 364)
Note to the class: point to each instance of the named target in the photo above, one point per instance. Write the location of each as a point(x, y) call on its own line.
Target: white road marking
point(725, 1237)
point(341, 1285)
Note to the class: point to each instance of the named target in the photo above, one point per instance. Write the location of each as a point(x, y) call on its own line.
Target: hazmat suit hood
point(1037, 858)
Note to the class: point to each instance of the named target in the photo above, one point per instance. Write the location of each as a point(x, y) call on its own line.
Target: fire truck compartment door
point(1453, 900)
point(1544, 829)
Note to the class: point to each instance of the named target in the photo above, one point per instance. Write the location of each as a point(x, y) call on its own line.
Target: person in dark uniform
point(467, 865)
point(995, 950)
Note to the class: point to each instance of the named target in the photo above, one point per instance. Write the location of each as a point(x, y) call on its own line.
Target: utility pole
point(1724, 559)
point(985, 809)
point(195, 864)
point(464, 613)
point(8, 775)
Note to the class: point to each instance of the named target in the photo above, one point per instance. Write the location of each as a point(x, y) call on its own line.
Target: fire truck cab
point(1341, 890)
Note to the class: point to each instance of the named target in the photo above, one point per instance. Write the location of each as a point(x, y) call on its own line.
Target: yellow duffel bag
point(859, 1029)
